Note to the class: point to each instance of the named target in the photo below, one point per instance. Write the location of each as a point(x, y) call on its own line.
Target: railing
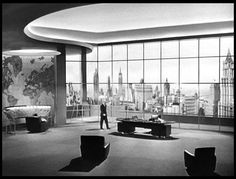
point(198, 122)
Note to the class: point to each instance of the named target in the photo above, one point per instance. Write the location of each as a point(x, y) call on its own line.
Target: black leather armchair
point(202, 163)
point(36, 124)
point(94, 147)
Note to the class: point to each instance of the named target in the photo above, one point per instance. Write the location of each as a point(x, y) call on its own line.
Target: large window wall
point(184, 77)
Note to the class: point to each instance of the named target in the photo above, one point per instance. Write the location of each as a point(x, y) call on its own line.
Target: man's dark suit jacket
point(103, 109)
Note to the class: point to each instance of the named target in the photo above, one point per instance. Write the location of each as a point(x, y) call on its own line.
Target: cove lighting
point(32, 52)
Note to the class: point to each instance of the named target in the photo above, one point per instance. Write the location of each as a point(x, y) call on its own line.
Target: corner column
point(60, 86)
point(83, 74)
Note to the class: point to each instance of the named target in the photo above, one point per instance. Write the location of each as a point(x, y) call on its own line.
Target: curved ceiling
point(100, 18)
point(94, 23)
point(117, 22)
point(15, 16)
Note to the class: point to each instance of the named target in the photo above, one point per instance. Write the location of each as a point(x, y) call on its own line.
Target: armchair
point(202, 163)
point(36, 124)
point(94, 147)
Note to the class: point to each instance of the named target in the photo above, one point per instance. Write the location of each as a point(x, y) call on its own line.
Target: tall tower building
point(96, 86)
point(190, 105)
point(226, 106)
point(166, 91)
point(142, 93)
point(166, 88)
point(215, 98)
point(109, 91)
point(120, 84)
point(157, 92)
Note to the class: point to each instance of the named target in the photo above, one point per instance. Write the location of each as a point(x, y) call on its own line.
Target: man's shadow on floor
point(80, 164)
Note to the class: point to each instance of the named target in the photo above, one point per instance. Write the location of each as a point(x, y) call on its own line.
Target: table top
point(143, 121)
point(27, 111)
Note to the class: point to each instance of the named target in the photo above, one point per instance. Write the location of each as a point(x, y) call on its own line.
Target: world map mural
point(28, 80)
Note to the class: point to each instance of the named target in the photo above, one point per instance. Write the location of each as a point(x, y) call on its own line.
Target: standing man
point(103, 109)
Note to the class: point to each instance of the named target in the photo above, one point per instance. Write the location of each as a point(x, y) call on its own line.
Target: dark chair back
point(205, 152)
point(35, 124)
point(91, 140)
point(205, 158)
point(202, 163)
point(94, 147)
point(188, 159)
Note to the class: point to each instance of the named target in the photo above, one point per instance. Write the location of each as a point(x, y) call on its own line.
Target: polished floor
point(47, 153)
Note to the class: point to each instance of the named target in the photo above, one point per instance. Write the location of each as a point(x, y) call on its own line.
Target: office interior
point(142, 59)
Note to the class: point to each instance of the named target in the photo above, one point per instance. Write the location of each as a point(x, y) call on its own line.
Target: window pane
point(152, 100)
point(209, 70)
point(209, 47)
point(170, 49)
point(120, 94)
point(92, 95)
point(189, 48)
point(108, 91)
point(152, 71)
point(227, 45)
point(135, 71)
point(227, 68)
point(104, 53)
point(103, 91)
point(169, 91)
point(118, 101)
point(151, 50)
point(135, 51)
point(90, 91)
point(91, 68)
point(138, 97)
point(120, 71)
point(188, 89)
point(189, 99)
point(209, 98)
point(73, 94)
point(104, 71)
point(119, 52)
point(92, 56)
point(170, 70)
point(189, 70)
point(73, 72)
point(226, 108)
point(73, 53)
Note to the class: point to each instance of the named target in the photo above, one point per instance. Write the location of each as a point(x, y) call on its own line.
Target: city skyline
point(108, 90)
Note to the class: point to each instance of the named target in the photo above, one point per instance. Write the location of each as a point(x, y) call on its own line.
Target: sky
point(208, 65)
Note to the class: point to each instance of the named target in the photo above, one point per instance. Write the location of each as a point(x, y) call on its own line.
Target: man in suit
point(103, 109)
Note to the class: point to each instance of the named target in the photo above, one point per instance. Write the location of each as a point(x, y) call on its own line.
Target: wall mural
point(28, 80)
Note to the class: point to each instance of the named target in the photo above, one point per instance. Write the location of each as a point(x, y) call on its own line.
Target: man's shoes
point(108, 128)
point(101, 129)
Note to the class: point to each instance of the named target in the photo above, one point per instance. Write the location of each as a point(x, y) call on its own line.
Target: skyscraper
point(215, 98)
point(226, 105)
point(109, 91)
point(120, 85)
point(166, 88)
point(129, 95)
point(190, 105)
point(157, 92)
point(143, 92)
point(96, 86)
point(166, 91)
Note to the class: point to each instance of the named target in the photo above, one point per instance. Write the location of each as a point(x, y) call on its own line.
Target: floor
point(47, 153)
